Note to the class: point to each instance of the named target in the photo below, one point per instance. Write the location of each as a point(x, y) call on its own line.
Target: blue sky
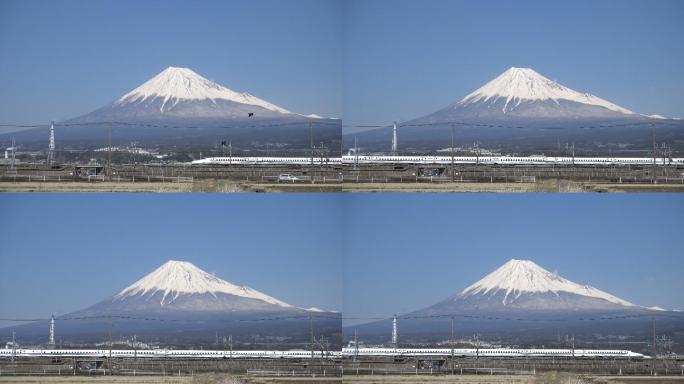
point(63, 252)
point(62, 59)
point(370, 61)
point(407, 58)
point(403, 252)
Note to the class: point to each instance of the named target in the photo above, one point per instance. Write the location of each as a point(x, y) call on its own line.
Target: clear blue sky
point(61, 59)
point(370, 61)
point(403, 252)
point(407, 58)
point(63, 252)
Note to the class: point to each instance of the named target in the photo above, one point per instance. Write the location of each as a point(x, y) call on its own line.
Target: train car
point(167, 353)
point(490, 352)
point(507, 160)
point(267, 161)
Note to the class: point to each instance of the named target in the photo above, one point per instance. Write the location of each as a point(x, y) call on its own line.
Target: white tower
point(394, 138)
point(51, 343)
point(51, 147)
point(394, 331)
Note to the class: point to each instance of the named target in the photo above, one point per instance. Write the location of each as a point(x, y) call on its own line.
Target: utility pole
point(230, 341)
point(13, 151)
point(452, 154)
point(311, 142)
point(312, 336)
point(109, 152)
point(135, 347)
point(655, 351)
point(653, 134)
point(14, 346)
point(356, 344)
point(356, 152)
point(109, 330)
point(452, 345)
point(230, 152)
point(573, 345)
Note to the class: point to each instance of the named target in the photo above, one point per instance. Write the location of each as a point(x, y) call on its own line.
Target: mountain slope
point(522, 301)
point(523, 111)
point(178, 108)
point(180, 304)
point(518, 86)
point(175, 279)
point(180, 93)
point(176, 85)
point(522, 285)
point(523, 277)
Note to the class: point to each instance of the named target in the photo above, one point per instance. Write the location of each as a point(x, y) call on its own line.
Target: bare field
point(203, 185)
point(545, 378)
point(224, 185)
point(540, 186)
point(206, 378)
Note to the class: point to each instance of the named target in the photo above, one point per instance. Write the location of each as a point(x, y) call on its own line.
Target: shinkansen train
point(302, 354)
point(267, 161)
point(382, 159)
point(511, 160)
point(491, 352)
point(166, 353)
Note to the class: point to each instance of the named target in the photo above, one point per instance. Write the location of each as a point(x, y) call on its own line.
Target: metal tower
point(51, 146)
point(394, 331)
point(51, 343)
point(394, 138)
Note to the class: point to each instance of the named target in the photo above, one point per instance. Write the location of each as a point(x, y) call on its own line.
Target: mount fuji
point(180, 108)
point(524, 285)
point(520, 110)
point(178, 303)
point(523, 302)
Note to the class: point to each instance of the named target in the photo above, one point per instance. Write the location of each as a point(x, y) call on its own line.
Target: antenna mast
point(394, 138)
point(51, 342)
point(51, 145)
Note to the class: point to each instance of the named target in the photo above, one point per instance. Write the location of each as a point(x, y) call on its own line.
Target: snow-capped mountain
point(518, 278)
point(522, 285)
point(522, 302)
point(175, 279)
point(179, 286)
point(180, 93)
point(174, 86)
point(180, 108)
point(523, 111)
point(180, 303)
point(525, 90)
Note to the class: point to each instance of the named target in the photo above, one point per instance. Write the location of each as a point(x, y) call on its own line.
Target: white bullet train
point(350, 159)
point(490, 352)
point(167, 353)
point(302, 354)
point(267, 161)
point(511, 160)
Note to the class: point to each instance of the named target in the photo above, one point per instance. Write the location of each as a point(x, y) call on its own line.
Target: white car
point(287, 177)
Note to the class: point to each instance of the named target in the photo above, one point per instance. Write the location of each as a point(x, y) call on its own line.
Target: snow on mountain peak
point(175, 84)
point(524, 84)
point(175, 278)
point(516, 277)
